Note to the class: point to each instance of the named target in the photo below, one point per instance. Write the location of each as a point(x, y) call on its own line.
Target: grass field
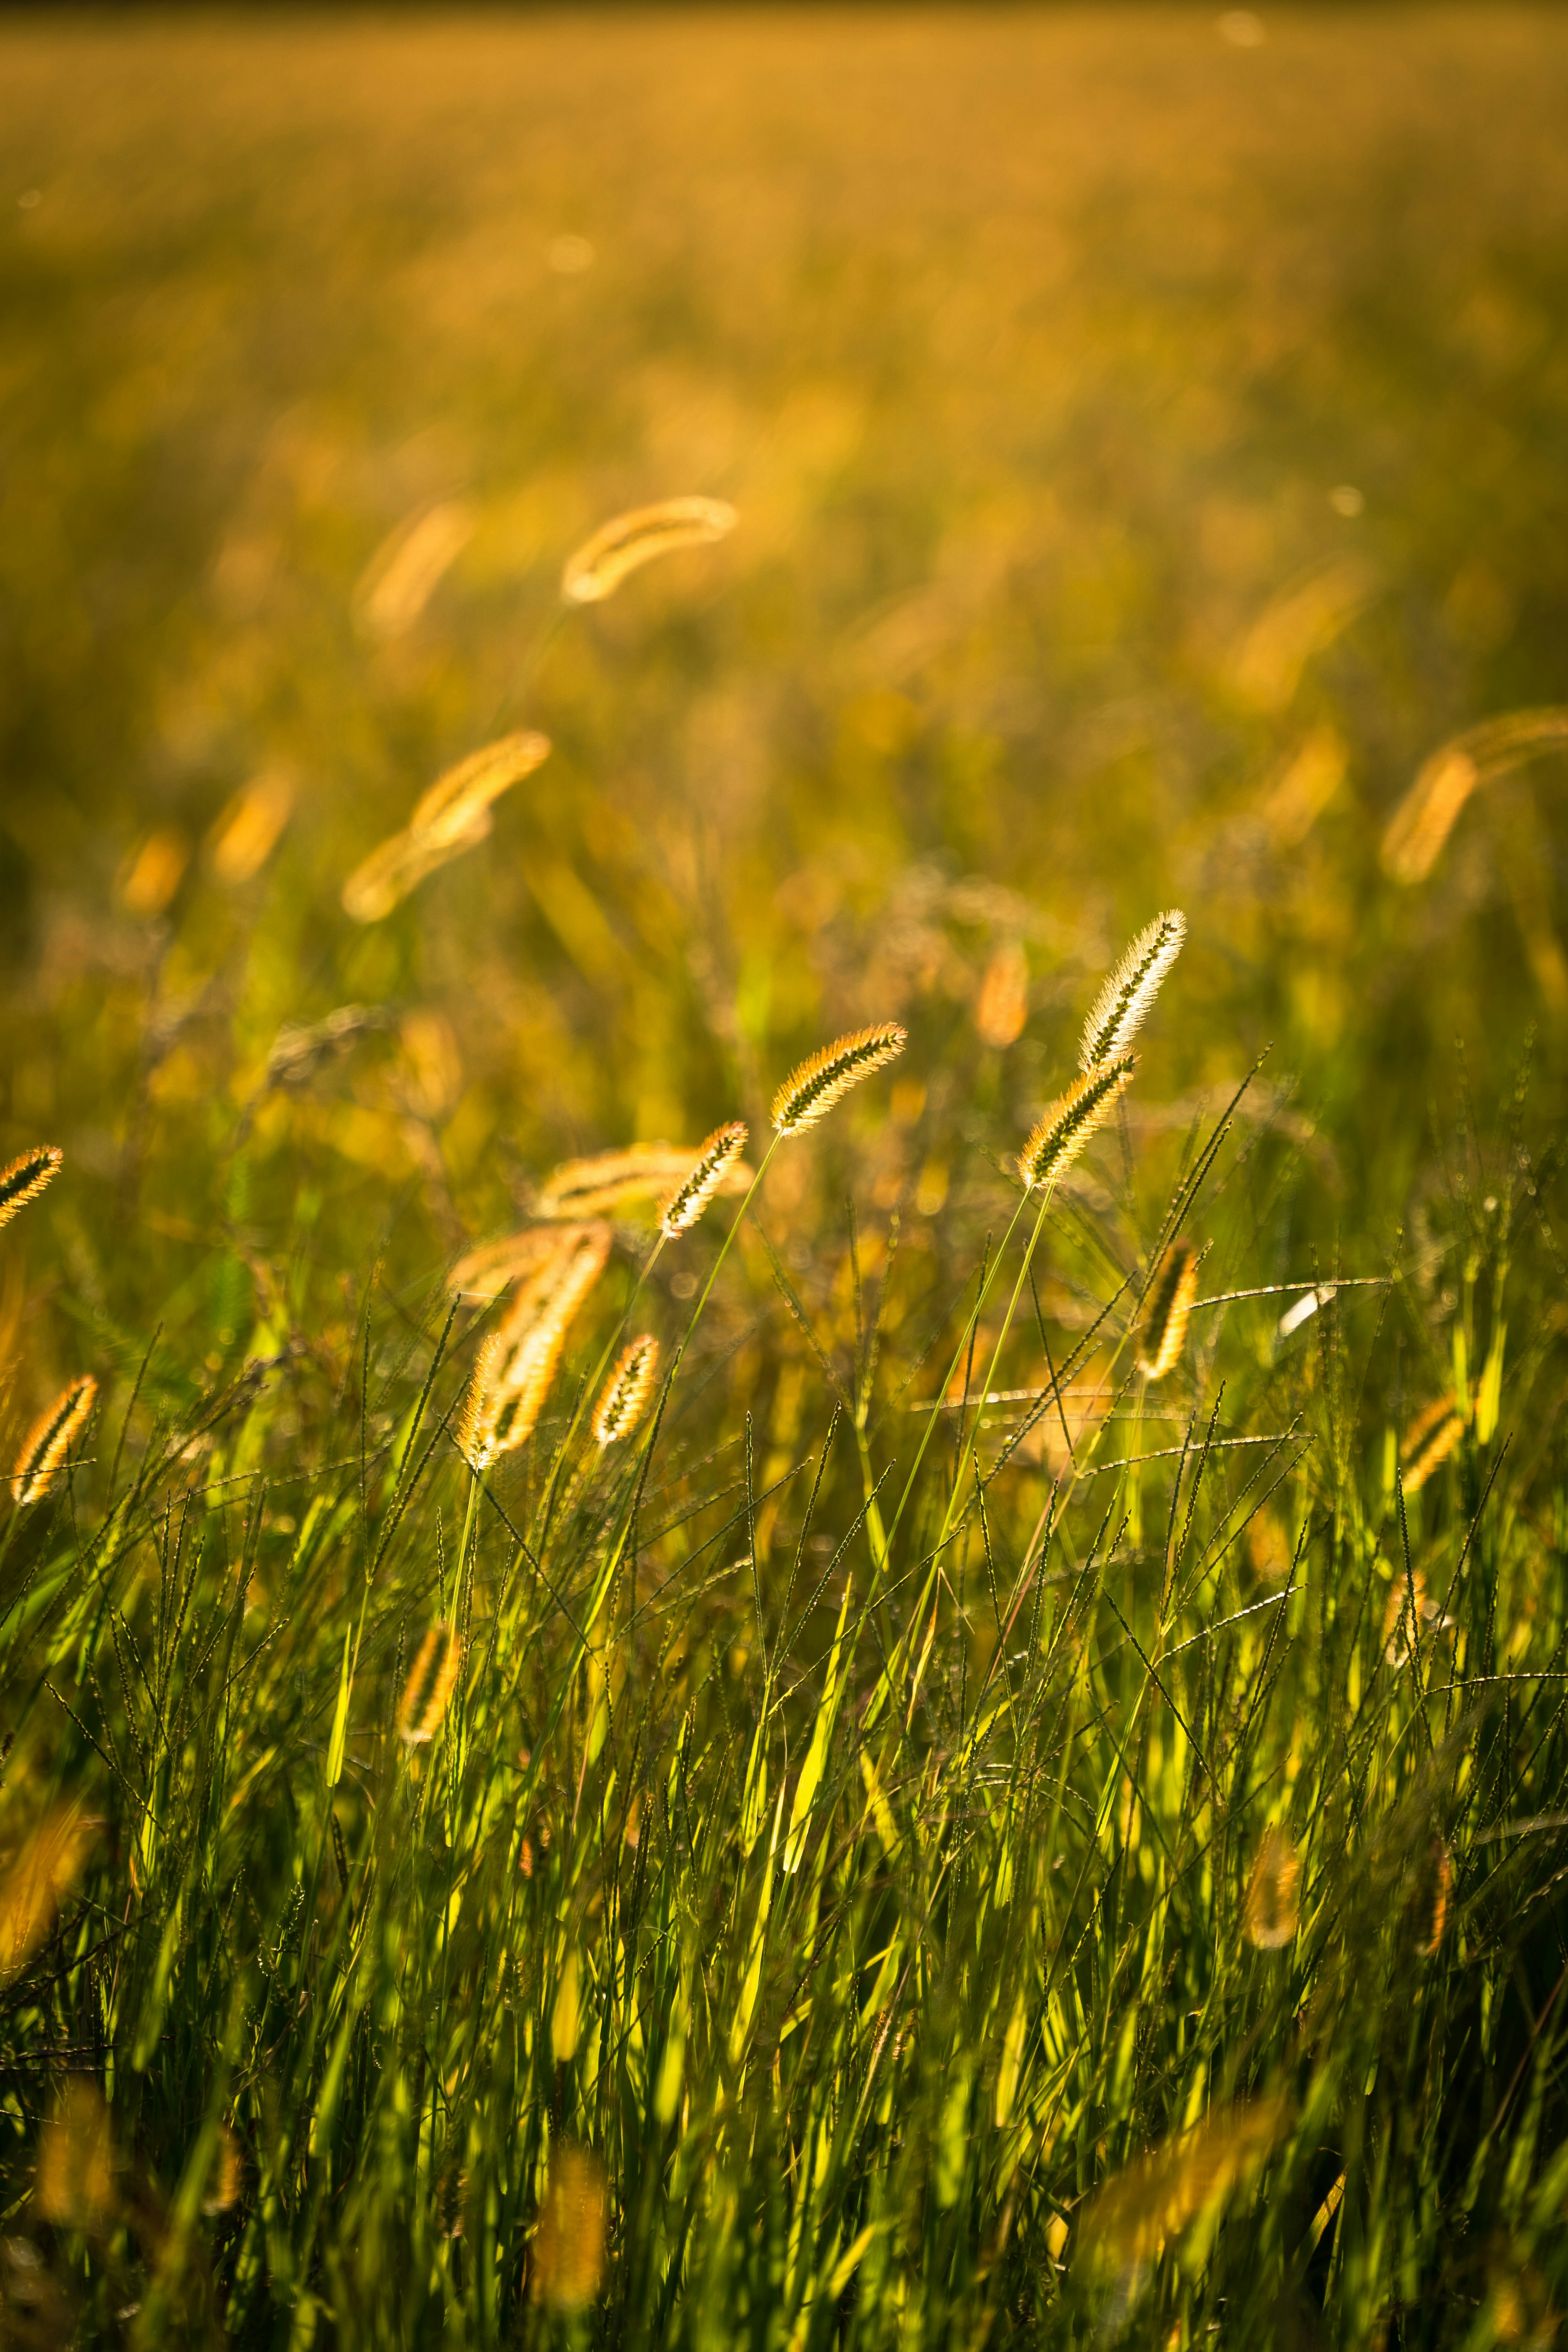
point(1012, 1788)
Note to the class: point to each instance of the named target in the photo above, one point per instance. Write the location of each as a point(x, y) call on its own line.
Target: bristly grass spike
point(432, 1679)
point(825, 1077)
point(626, 543)
point(714, 1165)
point(25, 1178)
point(1166, 1310)
point(1060, 1134)
point(48, 1442)
point(1123, 1005)
point(624, 1399)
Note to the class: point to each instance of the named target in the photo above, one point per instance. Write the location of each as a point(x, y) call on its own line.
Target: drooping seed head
point(808, 1093)
point(613, 1179)
point(625, 544)
point(37, 1882)
point(25, 1178)
point(1166, 1309)
point(1270, 1917)
point(431, 1682)
point(1061, 1135)
point(1123, 1005)
point(714, 1167)
point(1130, 2219)
point(1428, 1441)
point(624, 1399)
point(48, 1442)
point(1426, 817)
point(452, 811)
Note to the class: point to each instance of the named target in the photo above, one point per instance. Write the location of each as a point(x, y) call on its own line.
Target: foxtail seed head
point(1123, 1005)
point(1428, 1441)
point(475, 1430)
point(714, 1163)
point(1270, 1917)
point(48, 1442)
point(808, 1093)
point(1165, 1312)
point(612, 1179)
point(1057, 1140)
point(431, 1682)
point(1003, 1005)
point(25, 1178)
point(624, 1399)
point(457, 808)
point(624, 545)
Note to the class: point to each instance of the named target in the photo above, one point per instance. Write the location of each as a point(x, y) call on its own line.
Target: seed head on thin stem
point(1428, 1441)
point(714, 1164)
point(624, 1399)
point(1057, 1140)
point(625, 544)
point(431, 1682)
point(1270, 1917)
point(1165, 1311)
point(810, 1091)
point(48, 1442)
point(25, 1178)
point(1123, 1005)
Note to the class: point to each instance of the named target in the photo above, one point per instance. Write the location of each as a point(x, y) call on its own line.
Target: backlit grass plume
point(1426, 815)
point(1127, 2222)
point(624, 545)
point(432, 1679)
point(554, 1289)
point(1057, 1138)
point(715, 1168)
point(645, 1171)
point(475, 1427)
point(1123, 1005)
point(482, 1274)
point(810, 1092)
point(37, 1882)
point(1003, 1005)
point(457, 808)
point(25, 1178)
point(1268, 1918)
point(1165, 1311)
point(1428, 1441)
point(624, 1399)
point(48, 1442)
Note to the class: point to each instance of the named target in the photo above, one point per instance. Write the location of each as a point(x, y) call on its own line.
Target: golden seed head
point(431, 1682)
point(1270, 1916)
point(455, 809)
point(1166, 1309)
point(1268, 1548)
point(475, 1427)
point(624, 1399)
point(1057, 1138)
point(716, 1167)
point(1003, 1005)
point(409, 565)
point(1428, 1441)
point(1438, 1887)
point(48, 1442)
point(482, 1274)
point(245, 833)
point(554, 1291)
point(1123, 1005)
point(808, 1093)
point(226, 2178)
point(37, 1882)
point(76, 2159)
point(1127, 2223)
point(624, 545)
point(25, 1178)
point(569, 2251)
point(1426, 817)
point(398, 866)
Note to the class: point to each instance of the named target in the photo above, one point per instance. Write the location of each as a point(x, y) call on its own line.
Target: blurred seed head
point(624, 545)
point(1268, 1546)
point(1270, 1917)
point(1126, 2223)
point(1001, 1007)
point(431, 1682)
point(248, 829)
point(76, 2159)
point(408, 566)
point(569, 2250)
point(1426, 817)
point(153, 874)
point(1428, 1441)
point(35, 1883)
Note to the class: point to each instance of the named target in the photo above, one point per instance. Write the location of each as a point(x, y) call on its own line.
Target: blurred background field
point(1147, 440)
point(1145, 431)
